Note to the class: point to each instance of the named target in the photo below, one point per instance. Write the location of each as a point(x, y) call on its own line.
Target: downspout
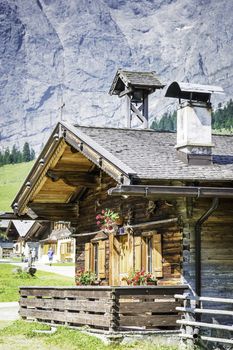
point(197, 230)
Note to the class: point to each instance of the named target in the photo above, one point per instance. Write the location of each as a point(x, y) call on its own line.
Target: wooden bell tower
point(136, 87)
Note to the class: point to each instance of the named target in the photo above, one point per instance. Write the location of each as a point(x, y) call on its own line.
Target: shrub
point(85, 278)
point(140, 278)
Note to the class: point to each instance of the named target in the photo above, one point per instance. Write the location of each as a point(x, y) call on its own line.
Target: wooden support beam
point(138, 114)
point(73, 178)
point(56, 211)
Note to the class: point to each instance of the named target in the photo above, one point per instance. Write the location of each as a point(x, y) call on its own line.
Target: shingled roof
point(136, 79)
point(152, 154)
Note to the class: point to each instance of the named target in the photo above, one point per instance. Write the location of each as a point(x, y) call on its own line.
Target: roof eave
point(62, 134)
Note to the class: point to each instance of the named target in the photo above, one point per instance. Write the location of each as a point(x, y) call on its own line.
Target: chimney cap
point(134, 80)
point(194, 92)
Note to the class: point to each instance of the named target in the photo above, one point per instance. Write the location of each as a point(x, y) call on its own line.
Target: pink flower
point(98, 223)
point(103, 211)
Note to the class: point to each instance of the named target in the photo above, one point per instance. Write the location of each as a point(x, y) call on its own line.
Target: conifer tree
point(26, 152)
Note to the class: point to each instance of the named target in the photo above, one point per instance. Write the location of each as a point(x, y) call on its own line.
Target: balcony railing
point(100, 307)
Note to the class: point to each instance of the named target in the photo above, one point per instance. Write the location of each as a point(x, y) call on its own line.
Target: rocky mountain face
point(58, 58)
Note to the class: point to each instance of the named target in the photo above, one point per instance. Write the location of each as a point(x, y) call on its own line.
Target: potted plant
point(108, 220)
point(140, 278)
point(86, 278)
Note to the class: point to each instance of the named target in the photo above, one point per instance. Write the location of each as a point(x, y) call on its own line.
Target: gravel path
point(68, 271)
point(9, 311)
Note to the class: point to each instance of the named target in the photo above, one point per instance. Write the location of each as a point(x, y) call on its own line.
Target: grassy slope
point(10, 282)
point(21, 335)
point(12, 177)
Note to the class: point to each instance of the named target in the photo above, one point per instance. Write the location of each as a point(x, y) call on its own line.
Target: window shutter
point(157, 255)
point(138, 253)
point(144, 255)
point(101, 259)
point(87, 256)
point(130, 243)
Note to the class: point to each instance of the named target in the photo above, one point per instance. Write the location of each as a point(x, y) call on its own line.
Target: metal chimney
point(194, 133)
point(136, 87)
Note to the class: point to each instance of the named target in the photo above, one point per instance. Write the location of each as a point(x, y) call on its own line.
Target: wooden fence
point(206, 314)
point(109, 308)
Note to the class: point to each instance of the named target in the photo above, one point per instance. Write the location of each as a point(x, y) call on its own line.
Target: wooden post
point(128, 111)
point(114, 311)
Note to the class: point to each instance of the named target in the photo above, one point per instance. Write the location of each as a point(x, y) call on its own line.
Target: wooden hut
point(61, 242)
point(175, 203)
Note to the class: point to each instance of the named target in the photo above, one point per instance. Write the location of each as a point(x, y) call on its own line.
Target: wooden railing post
point(114, 311)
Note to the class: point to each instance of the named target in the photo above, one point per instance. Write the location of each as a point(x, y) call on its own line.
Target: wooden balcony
point(106, 308)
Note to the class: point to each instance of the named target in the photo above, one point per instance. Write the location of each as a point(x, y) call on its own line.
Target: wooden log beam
point(205, 325)
point(152, 224)
point(73, 178)
point(56, 211)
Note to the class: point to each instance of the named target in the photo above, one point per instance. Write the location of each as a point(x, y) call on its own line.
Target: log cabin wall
point(134, 211)
point(217, 247)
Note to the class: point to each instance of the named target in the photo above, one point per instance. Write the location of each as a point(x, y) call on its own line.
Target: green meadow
point(12, 177)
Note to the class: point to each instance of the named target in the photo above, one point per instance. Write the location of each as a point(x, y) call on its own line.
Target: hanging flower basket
point(108, 221)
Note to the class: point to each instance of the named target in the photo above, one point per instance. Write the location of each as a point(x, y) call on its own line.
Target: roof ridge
point(122, 128)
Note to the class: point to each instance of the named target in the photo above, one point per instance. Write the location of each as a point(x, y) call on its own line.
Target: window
point(148, 253)
point(95, 258)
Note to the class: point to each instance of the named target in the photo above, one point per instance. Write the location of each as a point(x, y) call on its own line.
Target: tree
point(26, 152)
point(32, 154)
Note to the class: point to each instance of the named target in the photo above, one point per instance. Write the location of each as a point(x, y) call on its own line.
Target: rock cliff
point(58, 57)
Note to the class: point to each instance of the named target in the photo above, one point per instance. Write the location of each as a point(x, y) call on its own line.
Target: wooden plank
point(79, 305)
point(148, 320)
point(147, 306)
point(71, 317)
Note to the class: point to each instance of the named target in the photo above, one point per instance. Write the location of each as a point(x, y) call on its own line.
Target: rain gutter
point(183, 191)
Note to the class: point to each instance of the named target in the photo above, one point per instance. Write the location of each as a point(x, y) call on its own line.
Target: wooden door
point(121, 258)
